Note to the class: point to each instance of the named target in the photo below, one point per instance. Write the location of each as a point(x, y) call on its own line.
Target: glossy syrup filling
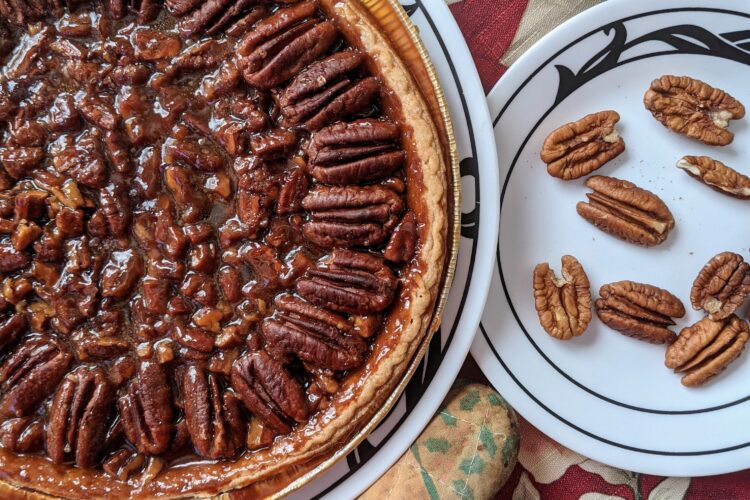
point(202, 225)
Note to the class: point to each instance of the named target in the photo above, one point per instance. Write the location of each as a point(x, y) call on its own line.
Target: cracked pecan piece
point(30, 374)
point(563, 304)
point(314, 335)
point(213, 416)
point(282, 44)
point(326, 91)
point(347, 216)
point(716, 175)
point(578, 148)
point(78, 419)
point(639, 310)
point(349, 282)
point(706, 348)
point(403, 243)
point(358, 151)
point(693, 108)
point(721, 286)
point(268, 391)
point(622, 209)
point(146, 409)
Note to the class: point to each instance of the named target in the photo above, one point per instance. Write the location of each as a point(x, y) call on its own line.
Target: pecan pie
point(222, 234)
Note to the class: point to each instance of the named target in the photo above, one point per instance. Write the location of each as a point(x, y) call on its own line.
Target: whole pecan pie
point(222, 234)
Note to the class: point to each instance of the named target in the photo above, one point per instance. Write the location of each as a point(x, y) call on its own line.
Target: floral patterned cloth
point(497, 32)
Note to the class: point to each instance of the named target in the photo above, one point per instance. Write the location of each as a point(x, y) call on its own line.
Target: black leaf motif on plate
point(410, 8)
point(683, 39)
point(469, 223)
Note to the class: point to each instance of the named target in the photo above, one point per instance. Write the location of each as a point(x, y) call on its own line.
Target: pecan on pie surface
point(222, 233)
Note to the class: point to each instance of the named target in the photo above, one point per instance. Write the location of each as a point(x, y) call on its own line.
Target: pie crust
point(363, 392)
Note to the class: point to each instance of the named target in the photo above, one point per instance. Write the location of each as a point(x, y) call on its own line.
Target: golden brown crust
point(365, 390)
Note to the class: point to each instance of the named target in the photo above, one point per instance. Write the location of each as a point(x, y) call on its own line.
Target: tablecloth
point(498, 32)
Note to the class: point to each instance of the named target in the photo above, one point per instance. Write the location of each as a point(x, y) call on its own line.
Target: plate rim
point(561, 430)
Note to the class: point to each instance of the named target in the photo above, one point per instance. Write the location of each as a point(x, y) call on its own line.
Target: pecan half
point(293, 190)
point(269, 391)
point(282, 44)
point(22, 435)
point(622, 209)
point(403, 243)
point(640, 311)
point(314, 335)
point(693, 108)
point(349, 282)
point(563, 304)
point(30, 374)
point(78, 418)
point(578, 148)
point(350, 215)
point(721, 286)
point(362, 150)
point(11, 329)
point(716, 175)
point(146, 409)
point(326, 92)
point(706, 348)
point(213, 16)
point(213, 417)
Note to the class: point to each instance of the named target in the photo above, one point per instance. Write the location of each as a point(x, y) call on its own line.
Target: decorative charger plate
point(605, 395)
point(450, 344)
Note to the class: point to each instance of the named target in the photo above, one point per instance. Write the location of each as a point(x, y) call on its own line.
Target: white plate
point(449, 346)
point(605, 395)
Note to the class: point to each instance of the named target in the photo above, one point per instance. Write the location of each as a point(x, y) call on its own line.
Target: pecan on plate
point(640, 311)
point(348, 216)
point(78, 418)
point(327, 91)
point(563, 304)
point(213, 16)
point(213, 416)
point(282, 44)
point(721, 286)
point(693, 108)
point(268, 391)
point(578, 148)
point(624, 210)
point(146, 409)
point(716, 175)
point(316, 336)
point(349, 282)
point(362, 150)
point(706, 348)
point(30, 374)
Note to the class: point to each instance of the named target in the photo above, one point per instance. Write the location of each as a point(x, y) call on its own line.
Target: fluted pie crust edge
point(364, 391)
